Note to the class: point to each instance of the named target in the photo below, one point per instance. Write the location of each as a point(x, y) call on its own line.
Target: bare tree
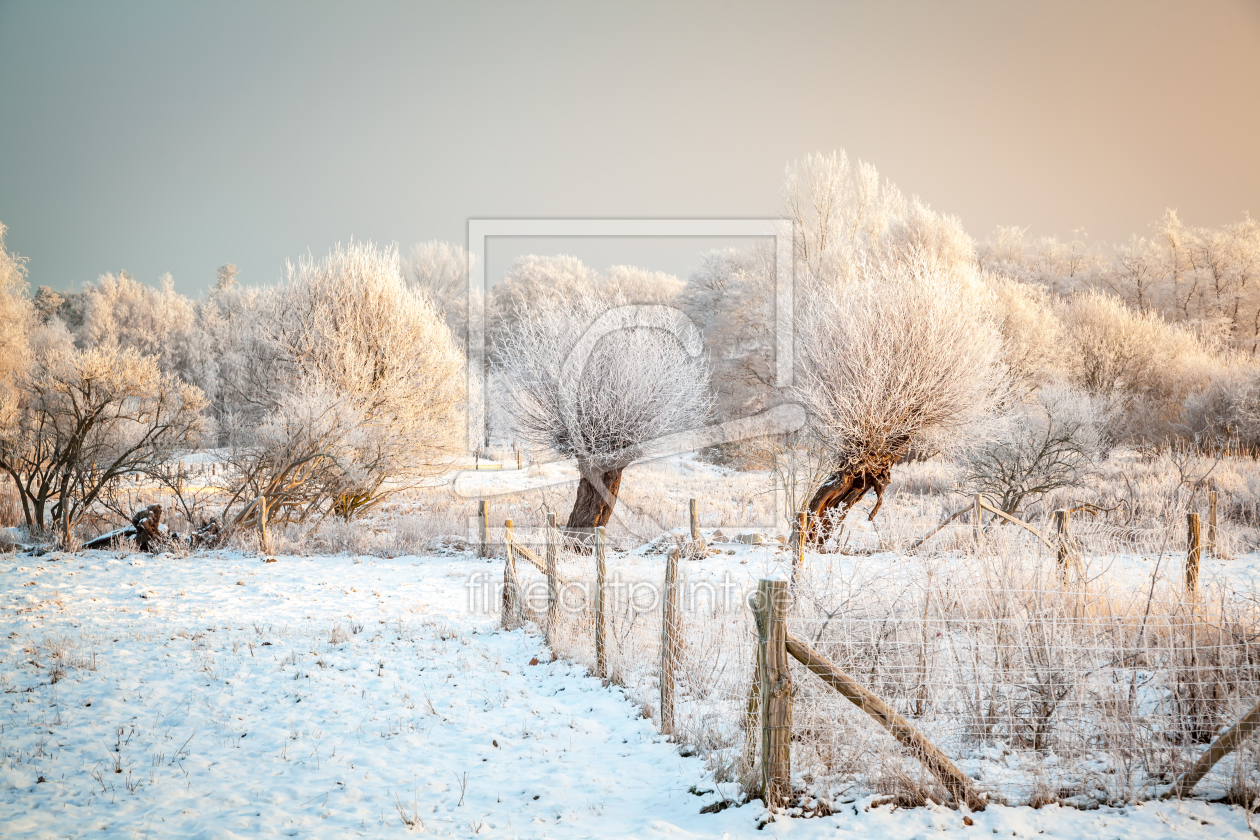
point(905, 358)
point(86, 418)
point(597, 380)
point(1049, 442)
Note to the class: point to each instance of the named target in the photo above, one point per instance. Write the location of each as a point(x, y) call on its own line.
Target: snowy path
point(221, 697)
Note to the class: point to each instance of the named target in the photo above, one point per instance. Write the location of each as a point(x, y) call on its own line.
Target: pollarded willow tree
point(598, 380)
point(902, 358)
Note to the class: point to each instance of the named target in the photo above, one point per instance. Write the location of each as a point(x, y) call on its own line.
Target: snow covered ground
point(222, 696)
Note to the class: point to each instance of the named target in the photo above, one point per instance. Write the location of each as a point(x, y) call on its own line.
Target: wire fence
point(1040, 686)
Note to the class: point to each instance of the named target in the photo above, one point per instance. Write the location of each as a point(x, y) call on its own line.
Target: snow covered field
point(222, 696)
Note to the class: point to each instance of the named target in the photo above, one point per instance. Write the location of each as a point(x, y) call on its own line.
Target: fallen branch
point(105, 540)
point(146, 530)
point(936, 762)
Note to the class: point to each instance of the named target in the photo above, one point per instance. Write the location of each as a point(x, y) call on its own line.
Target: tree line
point(343, 383)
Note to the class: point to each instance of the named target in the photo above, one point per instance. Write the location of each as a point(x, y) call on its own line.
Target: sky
point(174, 137)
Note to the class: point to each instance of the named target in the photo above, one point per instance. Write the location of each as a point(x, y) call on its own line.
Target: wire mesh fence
point(1082, 688)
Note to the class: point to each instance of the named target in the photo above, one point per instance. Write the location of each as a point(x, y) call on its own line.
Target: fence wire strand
point(1042, 689)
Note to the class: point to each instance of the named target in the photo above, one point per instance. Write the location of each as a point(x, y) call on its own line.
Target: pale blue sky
point(176, 137)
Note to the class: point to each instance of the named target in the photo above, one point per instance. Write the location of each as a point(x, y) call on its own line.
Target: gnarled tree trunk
point(842, 491)
point(596, 496)
point(146, 523)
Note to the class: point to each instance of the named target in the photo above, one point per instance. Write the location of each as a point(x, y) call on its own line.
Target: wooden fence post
point(553, 590)
point(669, 640)
point(1062, 521)
point(483, 529)
point(802, 529)
point(511, 585)
point(1194, 551)
point(263, 541)
point(695, 522)
point(1212, 533)
point(770, 603)
point(601, 654)
point(977, 516)
point(518, 456)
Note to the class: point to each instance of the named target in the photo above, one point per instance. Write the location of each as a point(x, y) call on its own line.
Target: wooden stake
point(977, 517)
point(518, 456)
point(601, 655)
point(511, 584)
point(695, 522)
point(1061, 524)
point(1212, 534)
point(669, 640)
point(483, 529)
point(775, 700)
point(802, 528)
point(264, 542)
point(553, 590)
point(1194, 551)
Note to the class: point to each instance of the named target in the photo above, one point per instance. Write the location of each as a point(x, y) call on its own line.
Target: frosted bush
point(1048, 442)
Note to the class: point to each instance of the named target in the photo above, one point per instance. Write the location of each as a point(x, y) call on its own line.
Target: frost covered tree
point(836, 209)
point(87, 417)
point(346, 390)
point(440, 270)
point(1033, 342)
point(1142, 366)
point(225, 276)
point(593, 378)
point(898, 352)
point(1206, 280)
point(119, 311)
point(16, 321)
point(1059, 266)
point(903, 358)
point(534, 283)
point(642, 286)
point(1047, 442)
point(73, 421)
point(731, 298)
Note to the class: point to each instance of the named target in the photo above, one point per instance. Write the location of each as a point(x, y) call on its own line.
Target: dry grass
point(1097, 689)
